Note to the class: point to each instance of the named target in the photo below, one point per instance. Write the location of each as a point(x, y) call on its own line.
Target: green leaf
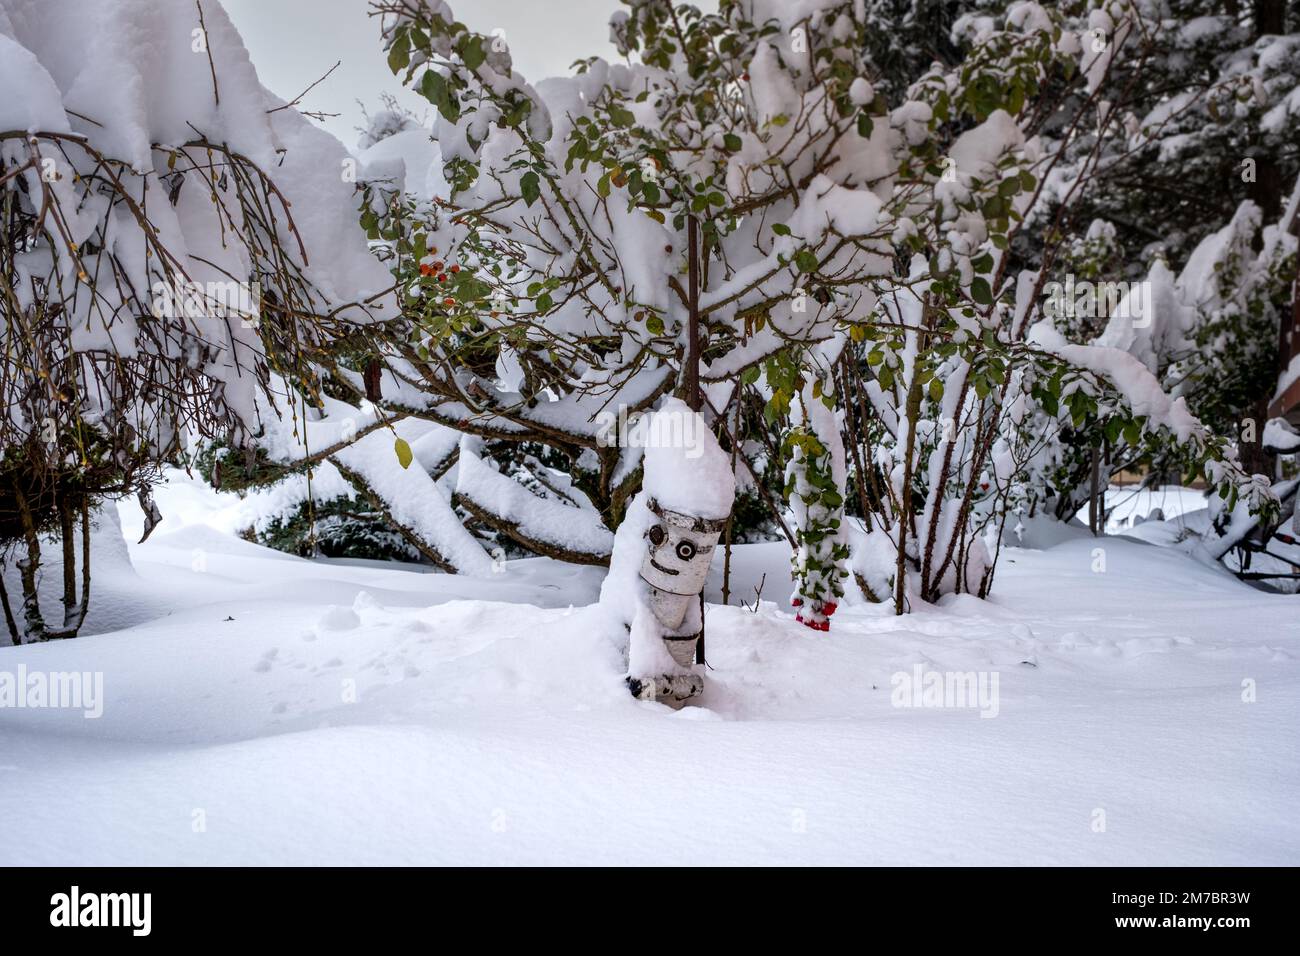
point(404, 456)
point(433, 87)
point(936, 389)
point(781, 229)
point(654, 325)
point(980, 292)
point(399, 54)
point(806, 260)
point(529, 187)
point(731, 141)
point(472, 52)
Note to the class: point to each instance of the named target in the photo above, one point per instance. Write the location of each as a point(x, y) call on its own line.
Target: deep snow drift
point(267, 709)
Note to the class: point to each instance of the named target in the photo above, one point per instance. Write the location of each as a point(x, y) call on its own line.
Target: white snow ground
point(489, 724)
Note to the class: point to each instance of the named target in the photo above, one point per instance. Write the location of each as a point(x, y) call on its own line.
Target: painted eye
point(685, 550)
point(657, 535)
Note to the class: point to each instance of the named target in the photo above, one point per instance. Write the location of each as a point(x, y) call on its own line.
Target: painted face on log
point(678, 551)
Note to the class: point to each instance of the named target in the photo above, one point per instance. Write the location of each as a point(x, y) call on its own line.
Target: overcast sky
point(293, 42)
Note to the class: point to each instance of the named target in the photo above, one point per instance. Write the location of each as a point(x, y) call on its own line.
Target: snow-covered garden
point(804, 432)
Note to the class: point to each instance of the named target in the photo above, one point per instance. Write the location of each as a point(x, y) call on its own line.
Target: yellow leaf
point(403, 452)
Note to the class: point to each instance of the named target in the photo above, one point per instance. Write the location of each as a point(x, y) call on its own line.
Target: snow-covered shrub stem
point(815, 477)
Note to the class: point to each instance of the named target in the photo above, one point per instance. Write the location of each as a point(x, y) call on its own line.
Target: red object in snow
point(796, 602)
point(829, 608)
point(815, 625)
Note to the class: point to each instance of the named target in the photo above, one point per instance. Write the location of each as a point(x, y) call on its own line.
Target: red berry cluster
point(436, 270)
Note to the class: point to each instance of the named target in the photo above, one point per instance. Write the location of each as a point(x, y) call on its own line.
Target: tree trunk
point(1270, 17)
point(15, 635)
point(905, 493)
point(69, 562)
point(372, 380)
point(855, 429)
point(1094, 482)
point(691, 374)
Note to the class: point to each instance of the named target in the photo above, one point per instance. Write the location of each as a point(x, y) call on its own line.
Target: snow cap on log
point(685, 469)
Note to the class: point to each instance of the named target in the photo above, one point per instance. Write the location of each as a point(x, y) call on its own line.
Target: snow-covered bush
point(174, 236)
point(591, 217)
point(742, 173)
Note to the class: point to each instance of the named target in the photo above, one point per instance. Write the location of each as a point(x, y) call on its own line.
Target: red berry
point(455, 268)
point(449, 302)
point(437, 266)
point(830, 608)
point(442, 277)
point(796, 602)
